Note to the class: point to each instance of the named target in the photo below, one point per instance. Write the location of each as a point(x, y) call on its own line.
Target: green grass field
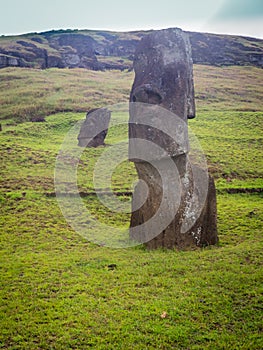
point(60, 291)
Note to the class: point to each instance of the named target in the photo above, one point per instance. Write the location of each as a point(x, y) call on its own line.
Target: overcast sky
point(244, 17)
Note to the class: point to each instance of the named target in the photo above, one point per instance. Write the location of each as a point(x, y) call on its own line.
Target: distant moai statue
point(95, 128)
point(183, 194)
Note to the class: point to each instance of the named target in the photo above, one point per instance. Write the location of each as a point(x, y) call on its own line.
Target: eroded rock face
point(94, 48)
point(8, 61)
point(180, 207)
point(94, 129)
point(77, 51)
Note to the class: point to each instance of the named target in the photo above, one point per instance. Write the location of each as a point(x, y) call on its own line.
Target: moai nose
point(147, 94)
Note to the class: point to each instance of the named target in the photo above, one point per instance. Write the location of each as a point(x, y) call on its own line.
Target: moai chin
point(164, 81)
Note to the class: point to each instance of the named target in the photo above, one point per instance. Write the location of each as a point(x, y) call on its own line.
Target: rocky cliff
point(100, 50)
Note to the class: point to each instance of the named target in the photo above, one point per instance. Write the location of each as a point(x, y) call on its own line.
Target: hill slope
point(30, 94)
point(100, 50)
point(58, 291)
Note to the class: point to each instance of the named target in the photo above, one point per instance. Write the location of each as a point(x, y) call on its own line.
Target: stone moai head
point(94, 129)
point(163, 77)
point(164, 72)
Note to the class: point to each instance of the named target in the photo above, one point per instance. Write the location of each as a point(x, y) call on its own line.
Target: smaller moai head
point(95, 127)
point(164, 81)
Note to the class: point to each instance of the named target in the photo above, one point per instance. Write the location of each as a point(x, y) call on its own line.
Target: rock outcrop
point(100, 50)
point(95, 127)
point(178, 209)
point(226, 50)
point(9, 61)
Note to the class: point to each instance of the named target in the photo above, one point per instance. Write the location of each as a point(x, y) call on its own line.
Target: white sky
point(243, 17)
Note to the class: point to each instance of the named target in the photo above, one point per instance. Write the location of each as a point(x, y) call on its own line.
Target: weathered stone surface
point(226, 50)
point(177, 190)
point(94, 129)
point(9, 61)
point(76, 50)
point(53, 60)
point(163, 77)
point(96, 47)
point(200, 207)
point(164, 73)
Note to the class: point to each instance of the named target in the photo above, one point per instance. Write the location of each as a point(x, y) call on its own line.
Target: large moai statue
point(180, 200)
point(95, 128)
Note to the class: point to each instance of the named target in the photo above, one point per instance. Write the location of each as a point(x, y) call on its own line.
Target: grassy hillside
point(27, 93)
point(59, 291)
